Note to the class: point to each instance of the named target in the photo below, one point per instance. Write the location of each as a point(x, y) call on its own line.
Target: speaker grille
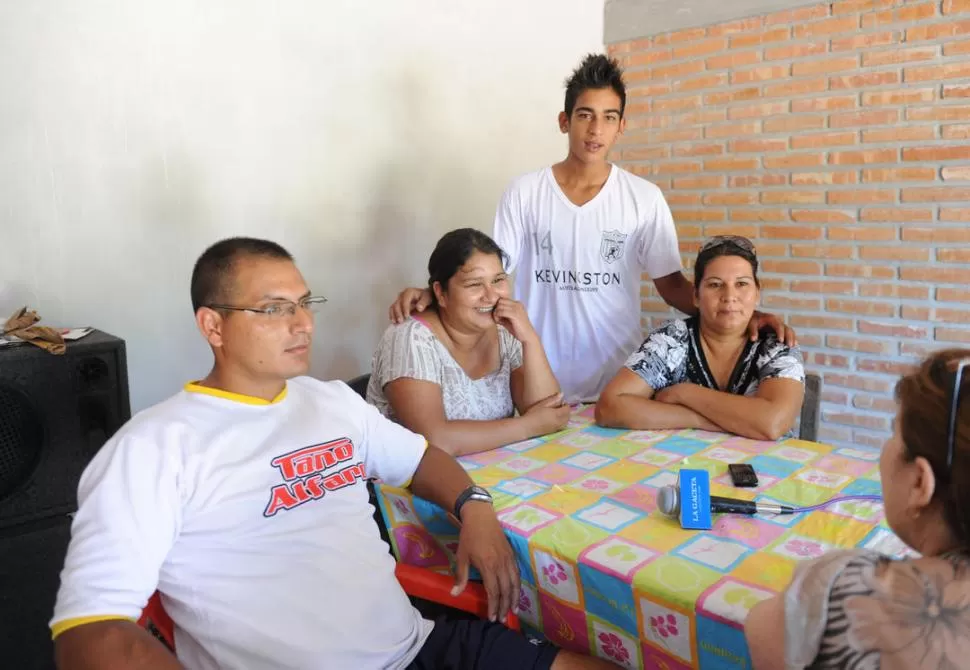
point(21, 439)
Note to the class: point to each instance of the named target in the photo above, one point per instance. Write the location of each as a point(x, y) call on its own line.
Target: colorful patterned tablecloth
point(604, 572)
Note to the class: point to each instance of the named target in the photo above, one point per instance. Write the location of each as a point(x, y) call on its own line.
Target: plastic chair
point(436, 587)
point(156, 621)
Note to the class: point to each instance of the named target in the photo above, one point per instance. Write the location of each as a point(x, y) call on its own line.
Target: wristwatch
point(471, 493)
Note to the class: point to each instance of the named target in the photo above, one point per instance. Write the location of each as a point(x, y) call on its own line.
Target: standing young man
point(579, 234)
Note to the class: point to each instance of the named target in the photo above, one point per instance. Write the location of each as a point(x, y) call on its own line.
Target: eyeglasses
point(951, 432)
point(281, 309)
point(738, 241)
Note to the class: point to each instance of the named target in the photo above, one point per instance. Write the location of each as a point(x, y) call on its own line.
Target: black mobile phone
point(742, 474)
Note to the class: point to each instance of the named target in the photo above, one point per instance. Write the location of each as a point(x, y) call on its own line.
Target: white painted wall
point(133, 133)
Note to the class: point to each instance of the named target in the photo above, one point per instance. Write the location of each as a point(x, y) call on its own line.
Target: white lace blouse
point(413, 351)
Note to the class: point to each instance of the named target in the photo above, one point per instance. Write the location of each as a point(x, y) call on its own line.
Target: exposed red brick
point(896, 215)
point(952, 335)
point(909, 13)
point(826, 251)
point(840, 24)
point(824, 322)
point(757, 180)
point(894, 291)
point(867, 345)
point(862, 234)
point(767, 215)
point(865, 41)
point(904, 96)
point(822, 216)
point(935, 31)
point(956, 132)
point(864, 80)
point(859, 382)
point(800, 50)
point(892, 330)
point(824, 178)
point(862, 271)
point(830, 103)
point(736, 59)
point(794, 160)
point(754, 39)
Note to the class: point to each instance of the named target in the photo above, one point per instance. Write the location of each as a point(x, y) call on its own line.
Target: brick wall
point(837, 136)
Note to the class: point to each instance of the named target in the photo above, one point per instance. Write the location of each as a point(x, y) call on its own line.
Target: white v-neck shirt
point(577, 269)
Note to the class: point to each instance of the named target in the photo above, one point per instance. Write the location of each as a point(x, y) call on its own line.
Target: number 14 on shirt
point(545, 245)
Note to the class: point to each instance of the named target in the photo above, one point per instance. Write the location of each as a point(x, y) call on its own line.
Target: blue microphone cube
point(695, 499)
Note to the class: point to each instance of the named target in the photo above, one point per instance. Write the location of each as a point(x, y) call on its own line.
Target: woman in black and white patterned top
point(859, 610)
point(705, 372)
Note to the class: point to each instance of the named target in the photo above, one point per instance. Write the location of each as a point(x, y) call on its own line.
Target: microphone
point(698, 504)
point(668, 502)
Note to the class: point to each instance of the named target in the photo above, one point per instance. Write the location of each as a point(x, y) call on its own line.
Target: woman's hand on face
point(512, 316)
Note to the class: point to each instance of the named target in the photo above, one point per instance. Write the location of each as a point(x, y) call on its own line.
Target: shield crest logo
point(611, 246)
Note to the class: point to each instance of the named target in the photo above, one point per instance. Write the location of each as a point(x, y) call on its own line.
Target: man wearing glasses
point(242, 500)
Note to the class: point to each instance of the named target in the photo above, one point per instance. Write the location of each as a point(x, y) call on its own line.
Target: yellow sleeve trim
point(68, 624)
point(407, 484)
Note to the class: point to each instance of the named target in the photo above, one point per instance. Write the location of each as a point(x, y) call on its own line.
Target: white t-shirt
point(577, 269)
point(252, 519)
point(412, 350)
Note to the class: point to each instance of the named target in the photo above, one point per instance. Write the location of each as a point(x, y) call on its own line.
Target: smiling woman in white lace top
point(457, 372)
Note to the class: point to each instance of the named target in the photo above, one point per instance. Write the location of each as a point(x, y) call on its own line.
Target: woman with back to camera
point(860, 609)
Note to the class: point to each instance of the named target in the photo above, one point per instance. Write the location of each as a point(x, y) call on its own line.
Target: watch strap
point(471, 493)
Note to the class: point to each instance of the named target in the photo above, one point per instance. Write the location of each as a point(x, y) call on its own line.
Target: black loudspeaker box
point(55, 413)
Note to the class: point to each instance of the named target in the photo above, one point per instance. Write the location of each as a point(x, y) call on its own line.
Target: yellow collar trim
point(195, 387)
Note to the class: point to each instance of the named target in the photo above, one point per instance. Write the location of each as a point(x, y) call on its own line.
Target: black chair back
point(809, 421)
point(359, 384)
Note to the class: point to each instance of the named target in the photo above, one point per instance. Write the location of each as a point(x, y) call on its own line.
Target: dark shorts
point(460, 644)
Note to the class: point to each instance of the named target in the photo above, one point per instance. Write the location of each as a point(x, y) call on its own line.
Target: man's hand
point(482, 543)
point(761, 320)
point(511, 315)
point(409, 300)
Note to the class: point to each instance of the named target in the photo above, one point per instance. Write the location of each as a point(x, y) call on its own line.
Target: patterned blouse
point(412, 350)
point(672, 354)
point(860, 610)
